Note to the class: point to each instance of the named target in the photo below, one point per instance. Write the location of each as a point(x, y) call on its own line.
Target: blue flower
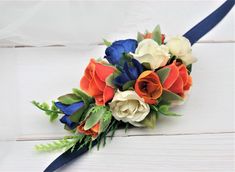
point(130, 72)
point(69, 110)
point(115, 52)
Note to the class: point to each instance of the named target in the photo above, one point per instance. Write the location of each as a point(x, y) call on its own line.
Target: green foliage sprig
point(63, 144)
point(52, 111)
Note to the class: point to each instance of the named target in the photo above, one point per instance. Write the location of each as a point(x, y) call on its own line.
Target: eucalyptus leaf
point(107, 43)
point(150, 120)
point(163, 74)
point(105, 121)
point(164, 109)
point(85, 98)
point(157, 35)
point(140, 37)
point(146, 65)
point(94, 118)
point(171, 97)
point(69, 99)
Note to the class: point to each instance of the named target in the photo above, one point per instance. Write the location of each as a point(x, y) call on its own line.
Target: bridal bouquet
point(135, 82)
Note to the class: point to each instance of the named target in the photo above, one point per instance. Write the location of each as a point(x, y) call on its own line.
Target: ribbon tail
point(68, 156)
point(209, 22)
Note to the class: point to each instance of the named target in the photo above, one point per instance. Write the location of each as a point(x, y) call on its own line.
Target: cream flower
point(148, 51)
point(181, 48)
point(127, 106)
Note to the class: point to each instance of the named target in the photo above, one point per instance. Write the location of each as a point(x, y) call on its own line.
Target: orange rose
point(148, 86)
point(91, 132)
point(93, 82)
point(178, 80)
point(149, 35)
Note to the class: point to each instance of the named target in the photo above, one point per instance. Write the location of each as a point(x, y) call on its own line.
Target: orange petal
point(96, 128)
point(108, 93)
point(183, 72)
point(99, 100)
point(145, 74)
point(188, 84)
point(103, 71)
point(100, 84)
point(173, 75)
point(93, 90)
point(150, 101)
point(148, 36)
point(84, 84)
point(177, 87)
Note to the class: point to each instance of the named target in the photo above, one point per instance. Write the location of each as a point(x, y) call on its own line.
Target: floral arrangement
point(135, 82)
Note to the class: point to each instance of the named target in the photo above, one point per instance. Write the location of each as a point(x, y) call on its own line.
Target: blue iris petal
point(69, 109)
point(65, 120)
point(129, 45)
point(121, 79)
point(138, 66)
point(115, 52)
point(131, 71)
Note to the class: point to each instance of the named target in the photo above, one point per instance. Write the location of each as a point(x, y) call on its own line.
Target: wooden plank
point(43, 74)
point(75, 23)
point(204, 153)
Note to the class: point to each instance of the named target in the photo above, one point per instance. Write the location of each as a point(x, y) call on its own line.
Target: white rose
point(127, 106)
point(181, 48)
point(148, 51)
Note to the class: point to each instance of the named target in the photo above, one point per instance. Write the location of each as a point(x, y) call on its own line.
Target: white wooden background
point(45, 47)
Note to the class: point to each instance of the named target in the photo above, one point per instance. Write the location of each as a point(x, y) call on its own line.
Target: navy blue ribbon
point(193, 35)
point(209, 22)
point(68, 156)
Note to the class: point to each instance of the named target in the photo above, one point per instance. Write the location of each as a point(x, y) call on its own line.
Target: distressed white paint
point(185, 153)
point(81, 22)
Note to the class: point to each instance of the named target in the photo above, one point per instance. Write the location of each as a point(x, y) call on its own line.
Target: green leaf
point(154, 108)
point(146, 66)
point(189, 67)
point(105, 121)
point(85, 98)
point(69, 99)
point(110, 78)
point(164, 109)
point(128, 85)
point(157, 35)
point(107, 43)
point(53, 117)
point(163, 74)
point(94, 118)
point(75, 117)
point(171, 97)
point(140, 37)
point(150, 120)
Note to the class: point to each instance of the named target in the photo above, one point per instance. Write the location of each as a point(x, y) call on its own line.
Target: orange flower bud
point(148, 86)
